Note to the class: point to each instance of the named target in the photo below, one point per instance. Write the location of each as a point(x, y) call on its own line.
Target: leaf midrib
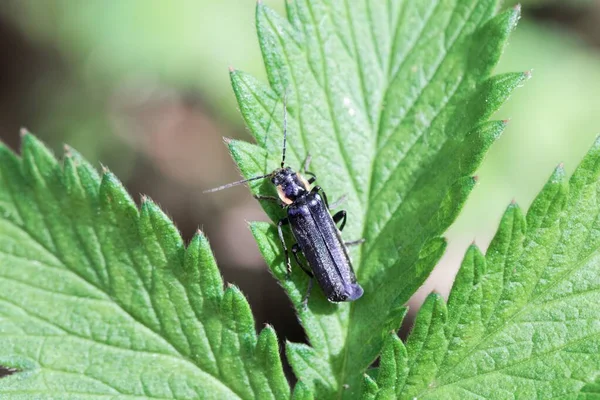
point(356, 57)
point(378, 136)
point(326, 92)
point(344, 156)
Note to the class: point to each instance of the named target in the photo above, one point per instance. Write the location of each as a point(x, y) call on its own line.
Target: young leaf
point(523, 321)
point(101, 300)
point(391, 99)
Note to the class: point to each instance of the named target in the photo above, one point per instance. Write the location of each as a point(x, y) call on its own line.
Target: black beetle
point(314, 229)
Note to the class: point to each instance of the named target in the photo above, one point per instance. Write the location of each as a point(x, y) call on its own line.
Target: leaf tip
point(28, 141)
point(195, 242)
point(109, 177)
point(527, 74)
point(436, 296)
point(267, 339)
point(439, 304)
point(474, 250)
point(258, 228)
point(515, 16)
point(253, 226)
point(158, 219)
point(199, 233)
point(268, 326)
point(236, 307)
point(559, 173)
point(233, 292)
point(370, 387)
point(513, 209)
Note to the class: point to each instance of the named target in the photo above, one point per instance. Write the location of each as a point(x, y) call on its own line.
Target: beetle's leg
point(305, 170)
point(288, 264)
point(339, 201)
point(295, 251)
point(269, 198)
point(340, 216)
point(355, 242)
point(307, 295)
point(307, 161)
point(319, 189)
point(312, 178)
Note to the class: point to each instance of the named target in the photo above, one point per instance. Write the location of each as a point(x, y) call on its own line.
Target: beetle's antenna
point(235, 183)
point(284, 126)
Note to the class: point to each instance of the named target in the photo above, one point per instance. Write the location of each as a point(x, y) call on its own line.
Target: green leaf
point(101, 300)
point(391, 99)
point(591, 391)
point(301, 392)
point(523, 321)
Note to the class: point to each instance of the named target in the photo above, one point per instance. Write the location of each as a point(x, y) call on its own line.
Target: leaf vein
point(329, 103)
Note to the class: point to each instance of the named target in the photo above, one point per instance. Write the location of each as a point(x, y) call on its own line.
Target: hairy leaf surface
point(392, 100)
point(523, 321)
point(102, 300)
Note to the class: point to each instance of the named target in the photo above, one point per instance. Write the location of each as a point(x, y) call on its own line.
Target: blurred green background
point(142, 86)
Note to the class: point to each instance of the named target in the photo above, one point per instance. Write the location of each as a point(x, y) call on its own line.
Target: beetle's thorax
point(290, 185)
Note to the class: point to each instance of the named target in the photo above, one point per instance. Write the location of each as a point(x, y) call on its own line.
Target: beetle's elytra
point(314, 228)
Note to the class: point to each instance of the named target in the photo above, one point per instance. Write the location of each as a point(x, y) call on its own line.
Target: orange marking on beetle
point(282, 196)
point(304, 182)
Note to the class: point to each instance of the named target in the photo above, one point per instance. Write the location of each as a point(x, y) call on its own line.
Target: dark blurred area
point(143, 88)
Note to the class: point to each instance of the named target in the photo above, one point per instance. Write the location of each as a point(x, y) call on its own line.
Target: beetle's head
point(290, 185)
